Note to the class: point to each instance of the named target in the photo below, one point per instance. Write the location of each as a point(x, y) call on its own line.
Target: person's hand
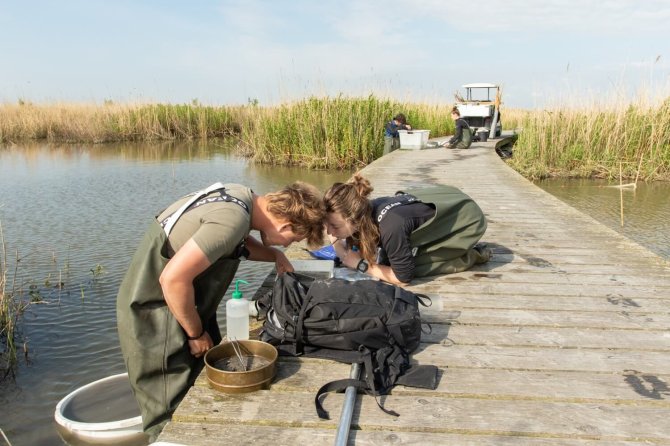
point(200, 346)
point(409, 127)
point(282, 263)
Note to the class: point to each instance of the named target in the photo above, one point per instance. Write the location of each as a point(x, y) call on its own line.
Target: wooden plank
point(608, 422)
point(438, 286)
point(457, 301)
point(195, 434)
point(551, 277)
point(625, 387)
point(535, 358)
point(622, 320)
point(519, 336)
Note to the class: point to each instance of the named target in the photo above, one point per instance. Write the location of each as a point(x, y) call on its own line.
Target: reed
point(112, 122)
point(10, 308)
point(593, 141)
point(338, 132)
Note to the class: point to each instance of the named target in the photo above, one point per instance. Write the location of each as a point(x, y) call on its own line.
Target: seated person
point(420, 233)
point(462, 138)
point(391, 135)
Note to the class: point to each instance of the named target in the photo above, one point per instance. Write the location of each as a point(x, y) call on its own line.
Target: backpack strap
point(367, 386)
point(195, 201)
point(298, 345)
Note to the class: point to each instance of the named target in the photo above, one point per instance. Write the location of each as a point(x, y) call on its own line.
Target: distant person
point(167, 302)
point(462, 138)
point(391, 135)
point(423, 232)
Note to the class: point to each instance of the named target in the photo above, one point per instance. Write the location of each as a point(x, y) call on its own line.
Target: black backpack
point(368, 322)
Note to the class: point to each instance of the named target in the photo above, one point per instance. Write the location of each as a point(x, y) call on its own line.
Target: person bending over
point(416, 233)
point(167, 302)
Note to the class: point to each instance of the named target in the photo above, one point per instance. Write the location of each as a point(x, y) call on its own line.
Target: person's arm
point(176, 281)
point(458, 133)
point(350, 259)
point(261, 253)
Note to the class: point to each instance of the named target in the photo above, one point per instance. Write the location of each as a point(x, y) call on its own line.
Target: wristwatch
point(362, 266)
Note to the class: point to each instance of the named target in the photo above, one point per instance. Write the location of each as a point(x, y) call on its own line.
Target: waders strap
point(168, 223)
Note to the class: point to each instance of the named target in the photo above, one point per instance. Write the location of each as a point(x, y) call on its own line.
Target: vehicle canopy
point(475, 92)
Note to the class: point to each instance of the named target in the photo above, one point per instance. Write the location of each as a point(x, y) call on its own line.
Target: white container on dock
point(322, 269)
point(413, 139)
point(103, 412)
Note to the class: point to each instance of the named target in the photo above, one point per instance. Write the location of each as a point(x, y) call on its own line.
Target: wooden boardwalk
point(563, 338)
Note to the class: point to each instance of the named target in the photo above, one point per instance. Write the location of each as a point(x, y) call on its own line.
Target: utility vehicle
point(481, 107)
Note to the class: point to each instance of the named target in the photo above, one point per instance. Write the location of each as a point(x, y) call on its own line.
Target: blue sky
point(226, 52)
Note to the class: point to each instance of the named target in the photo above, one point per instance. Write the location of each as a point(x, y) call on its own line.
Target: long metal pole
point(348, 408)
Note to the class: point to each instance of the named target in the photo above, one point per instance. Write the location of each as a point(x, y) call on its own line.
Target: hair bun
point(362, 185)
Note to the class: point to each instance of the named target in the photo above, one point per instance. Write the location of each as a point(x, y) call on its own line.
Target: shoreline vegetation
point(345, 133)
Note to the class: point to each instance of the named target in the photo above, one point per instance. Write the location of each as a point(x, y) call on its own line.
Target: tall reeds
point(112, 122)
point(339, 132)
point(335, 132)
point(594, 141)
point(345, 132)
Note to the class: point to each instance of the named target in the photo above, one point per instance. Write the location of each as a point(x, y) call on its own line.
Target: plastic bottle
point(237, 315)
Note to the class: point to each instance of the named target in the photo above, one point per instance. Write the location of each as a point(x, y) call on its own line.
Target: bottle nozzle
point(237, 294)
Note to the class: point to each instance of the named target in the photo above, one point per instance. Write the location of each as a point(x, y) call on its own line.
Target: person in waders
point(391, 135)
point(419, 233)
point(167, 302)
point(462, 138)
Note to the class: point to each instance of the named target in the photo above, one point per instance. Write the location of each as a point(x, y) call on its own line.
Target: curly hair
point(302, 205)
point(351, 201)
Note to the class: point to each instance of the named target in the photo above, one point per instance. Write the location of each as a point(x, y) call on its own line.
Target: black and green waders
point(155, 348)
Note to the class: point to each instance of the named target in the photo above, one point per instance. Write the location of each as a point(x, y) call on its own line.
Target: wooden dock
point(563, 338)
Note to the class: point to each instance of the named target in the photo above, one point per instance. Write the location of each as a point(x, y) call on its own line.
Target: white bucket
point(103, 412)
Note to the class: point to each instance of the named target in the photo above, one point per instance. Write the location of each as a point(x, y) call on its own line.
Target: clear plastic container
point(237, 315)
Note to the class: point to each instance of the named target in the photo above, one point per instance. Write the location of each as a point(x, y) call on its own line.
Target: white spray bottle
point(237, 315)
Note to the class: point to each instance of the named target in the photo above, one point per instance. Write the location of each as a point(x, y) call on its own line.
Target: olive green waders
point(155, 348)
point(445, 243)
point(391, 144)
point(466, 140)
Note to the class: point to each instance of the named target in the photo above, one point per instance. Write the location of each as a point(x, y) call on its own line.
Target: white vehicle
point(481, 107)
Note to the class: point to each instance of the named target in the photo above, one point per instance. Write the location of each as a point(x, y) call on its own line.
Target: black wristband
point(191, 338)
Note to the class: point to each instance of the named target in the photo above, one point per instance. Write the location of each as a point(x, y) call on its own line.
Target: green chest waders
point(155, 349)
point(444, 244)
point(466, 139)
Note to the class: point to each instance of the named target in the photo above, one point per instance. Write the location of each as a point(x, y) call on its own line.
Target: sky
point(229, 52)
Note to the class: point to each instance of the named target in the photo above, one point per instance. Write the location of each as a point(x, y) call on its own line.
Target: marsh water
point(73, 214)
point(641, 213)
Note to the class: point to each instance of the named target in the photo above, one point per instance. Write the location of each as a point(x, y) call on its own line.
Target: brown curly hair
point(350, 200)
point(302, 205)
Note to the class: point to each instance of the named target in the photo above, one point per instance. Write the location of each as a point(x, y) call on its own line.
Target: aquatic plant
point(594, 141)
point(11, 307)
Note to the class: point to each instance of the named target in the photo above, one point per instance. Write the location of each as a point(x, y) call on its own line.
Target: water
point(646, 209)
point(75, 214)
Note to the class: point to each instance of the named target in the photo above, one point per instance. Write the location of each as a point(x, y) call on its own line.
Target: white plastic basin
point(103, 412)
